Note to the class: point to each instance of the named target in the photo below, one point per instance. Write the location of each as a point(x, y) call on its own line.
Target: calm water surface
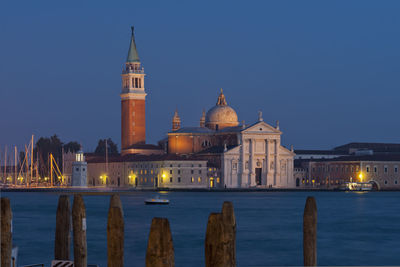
point(353, 228)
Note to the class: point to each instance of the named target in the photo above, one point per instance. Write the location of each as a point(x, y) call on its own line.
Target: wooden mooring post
point(160, 248)
point(79, 229)
point(220, 243)
point(6, 232)
point(115, 233)
point(310, 232)
point(62, 242)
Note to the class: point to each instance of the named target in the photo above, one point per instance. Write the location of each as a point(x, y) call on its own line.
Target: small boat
point(357, 186)
point(156, 201)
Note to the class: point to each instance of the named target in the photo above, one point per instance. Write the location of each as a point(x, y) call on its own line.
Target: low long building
point(381, 170)
point(152, 171)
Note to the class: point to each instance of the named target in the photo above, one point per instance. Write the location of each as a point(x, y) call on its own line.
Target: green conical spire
point(132, 54)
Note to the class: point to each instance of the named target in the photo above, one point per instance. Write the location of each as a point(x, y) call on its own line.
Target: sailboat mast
point(106, 158)
point(26, 166)
point(62, 152)
point(15, 165)
point(31, 162)
point(51, 169)
point(5, 164)
point(37, 165)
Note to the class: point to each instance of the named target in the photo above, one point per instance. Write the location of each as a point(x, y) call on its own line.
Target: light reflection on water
point(353, 228)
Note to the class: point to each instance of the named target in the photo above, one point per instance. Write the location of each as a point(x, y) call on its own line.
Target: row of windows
point(342, 169)
point(353, 169)
point(145, 166)
point(386, 182)
point(136, 83)
point(385, 169)
point(179, 171)
point(192, 180)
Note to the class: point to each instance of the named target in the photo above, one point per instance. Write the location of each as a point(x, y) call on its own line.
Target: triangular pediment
point(233, 151)
point(261, 127)
point(286, 152)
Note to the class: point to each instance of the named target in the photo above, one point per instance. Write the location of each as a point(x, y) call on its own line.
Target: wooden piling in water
point(79, 229)
point(115, 233)
point(229, 223)
point(6, 232)
point(220, 243)
point(310, 232)
point(160, 248)
point(62, 242)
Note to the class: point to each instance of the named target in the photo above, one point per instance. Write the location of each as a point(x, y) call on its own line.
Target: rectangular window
point(192, 171)
point(179, 179)
point(367, 169)
point(170, 179)
point(179, 171)
point(235, 166)
point(395, 169)
point(192, 180)
point(199, 179)
point(199, 171)
point(375, 169)
point(200, 165)
point(385, 169)
point(170, 171)
point(217, 179)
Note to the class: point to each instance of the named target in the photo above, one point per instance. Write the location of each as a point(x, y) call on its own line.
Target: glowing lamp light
point(163, 175)
point(360, 176)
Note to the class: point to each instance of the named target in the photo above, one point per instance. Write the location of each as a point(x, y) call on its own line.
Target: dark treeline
point(53, 145)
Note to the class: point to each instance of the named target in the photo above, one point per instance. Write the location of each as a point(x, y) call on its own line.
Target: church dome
point(221, 115)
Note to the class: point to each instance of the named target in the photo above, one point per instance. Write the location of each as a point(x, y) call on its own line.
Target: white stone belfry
point(79, 170)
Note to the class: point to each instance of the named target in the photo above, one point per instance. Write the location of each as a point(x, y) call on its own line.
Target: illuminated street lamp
point(360, 176)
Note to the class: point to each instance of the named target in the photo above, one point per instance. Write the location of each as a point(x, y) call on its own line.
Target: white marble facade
point(259, 160)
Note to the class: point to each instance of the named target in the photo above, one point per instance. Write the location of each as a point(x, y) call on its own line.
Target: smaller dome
point(221, 115)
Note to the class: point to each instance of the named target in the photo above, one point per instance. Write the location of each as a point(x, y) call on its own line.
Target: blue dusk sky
point(329, 71)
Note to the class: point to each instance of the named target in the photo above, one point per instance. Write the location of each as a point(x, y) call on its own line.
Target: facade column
point(242, 163)
point(252, 179)
point(275, 161)
point(266, 160)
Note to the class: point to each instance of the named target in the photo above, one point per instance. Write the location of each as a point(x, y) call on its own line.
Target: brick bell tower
point(133, 96)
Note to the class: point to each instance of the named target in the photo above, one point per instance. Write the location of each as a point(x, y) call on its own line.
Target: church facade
point(247, 156)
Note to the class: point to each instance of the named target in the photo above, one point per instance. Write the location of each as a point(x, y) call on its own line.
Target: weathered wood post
point(213, 247)
point(220, 243)
point(6, 232)
point(115, 233)
point(310, 232)
point(229, 222)
point(115, 201)
point(160, 248)
point(79, 229)
point(63, 229)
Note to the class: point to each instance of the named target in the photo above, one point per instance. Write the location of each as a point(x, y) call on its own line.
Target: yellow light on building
point(360, 176)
